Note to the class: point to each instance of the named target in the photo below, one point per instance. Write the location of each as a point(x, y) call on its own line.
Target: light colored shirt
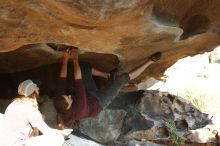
point(19, 119)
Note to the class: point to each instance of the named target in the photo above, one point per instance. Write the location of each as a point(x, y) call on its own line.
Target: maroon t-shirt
point(83, 106)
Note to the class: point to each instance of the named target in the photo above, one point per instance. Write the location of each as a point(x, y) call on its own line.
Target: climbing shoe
point(113, 74)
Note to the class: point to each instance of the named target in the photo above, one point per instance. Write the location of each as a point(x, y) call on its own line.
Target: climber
point(22, 117)
point(87, 100)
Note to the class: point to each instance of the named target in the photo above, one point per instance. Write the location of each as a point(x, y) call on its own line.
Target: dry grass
point(202, 100)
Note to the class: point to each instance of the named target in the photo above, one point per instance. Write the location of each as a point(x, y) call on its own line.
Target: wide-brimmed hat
point(26, 87)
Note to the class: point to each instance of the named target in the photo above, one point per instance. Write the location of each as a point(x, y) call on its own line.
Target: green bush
point(174, 137)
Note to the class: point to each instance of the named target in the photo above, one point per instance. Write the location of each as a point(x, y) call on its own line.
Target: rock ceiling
point(107, 32)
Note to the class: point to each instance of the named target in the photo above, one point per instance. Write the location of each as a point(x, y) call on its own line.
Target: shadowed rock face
point(129, 29)
point(143, 116)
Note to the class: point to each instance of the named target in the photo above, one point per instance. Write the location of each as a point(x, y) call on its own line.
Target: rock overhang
point(128, 30)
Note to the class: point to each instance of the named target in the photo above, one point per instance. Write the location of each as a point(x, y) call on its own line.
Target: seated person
point(22, 117)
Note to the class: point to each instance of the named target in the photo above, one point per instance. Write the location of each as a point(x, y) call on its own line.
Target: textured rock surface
point(48, 110)
point(112, 120)
point(130, 29)
point(145, 119)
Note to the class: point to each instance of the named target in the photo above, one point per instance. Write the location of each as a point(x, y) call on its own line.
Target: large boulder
point(32, 32)
point(144, 118)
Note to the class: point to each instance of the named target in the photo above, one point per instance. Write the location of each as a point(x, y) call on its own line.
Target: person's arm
point(45, 129)
point(63, 70)
point(80, 100)
point(60, 87)
point(77, 69)
point(60, 124)
point(36, 120)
